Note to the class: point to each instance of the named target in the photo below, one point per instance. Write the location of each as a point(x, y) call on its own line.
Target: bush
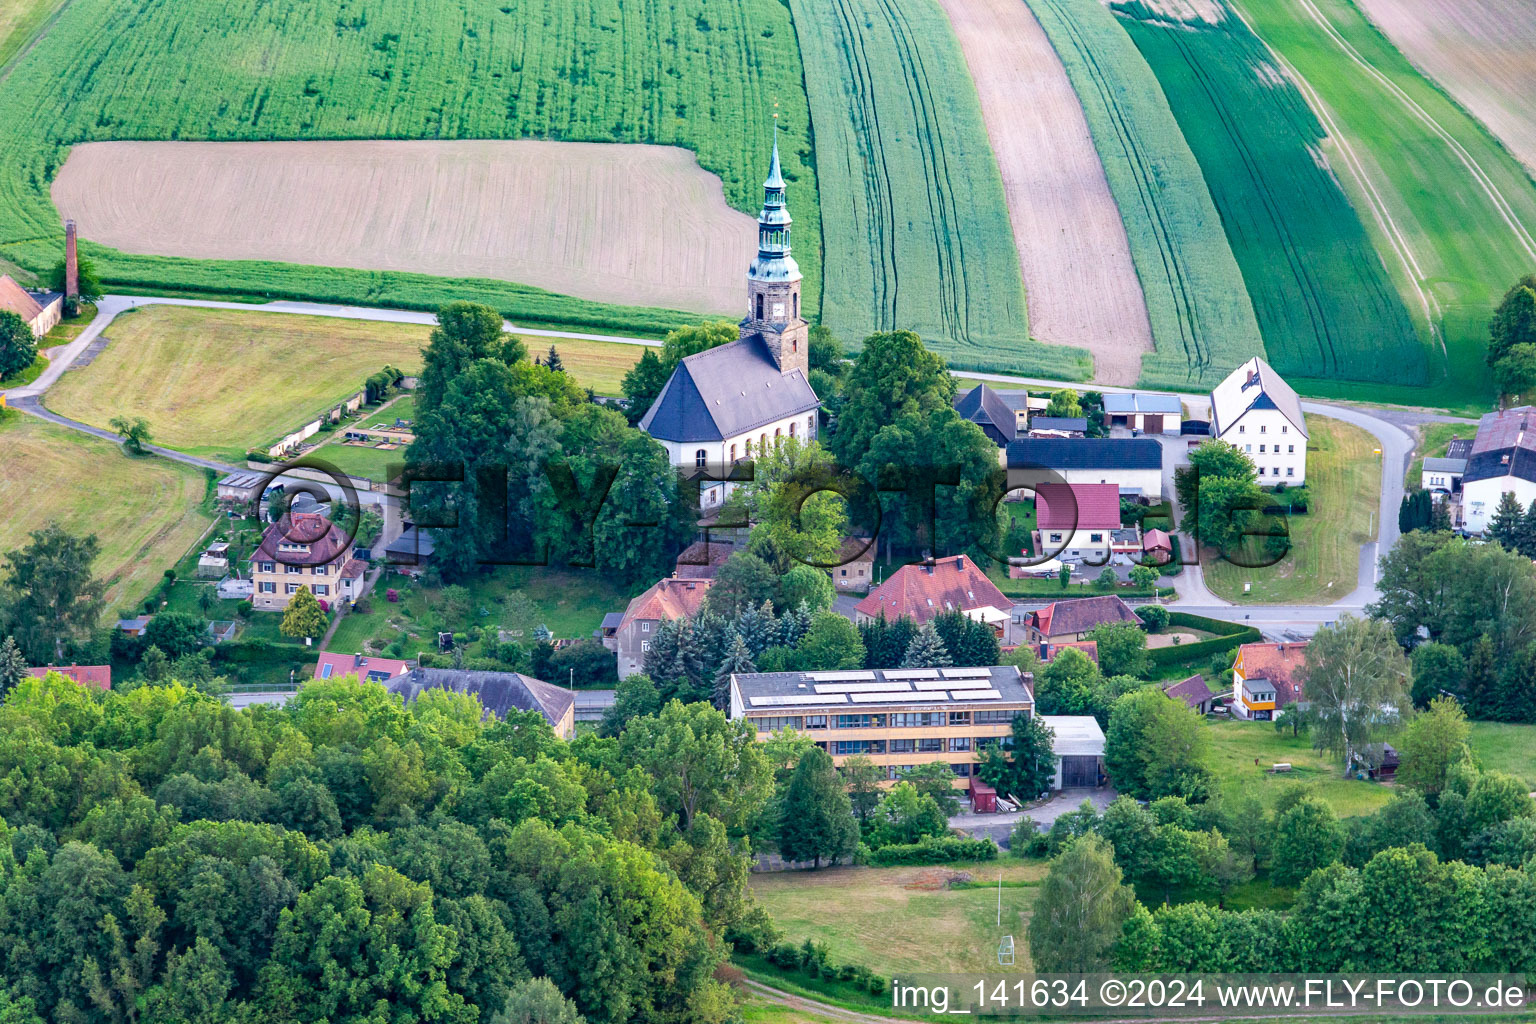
point(1230, 635)
point(244, 608)
point(1154, 617)
point(392, 595)
point(934, 850)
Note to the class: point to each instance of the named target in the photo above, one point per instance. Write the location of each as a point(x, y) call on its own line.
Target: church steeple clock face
point(778, 311)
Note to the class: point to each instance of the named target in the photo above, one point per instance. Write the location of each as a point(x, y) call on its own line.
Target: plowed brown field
point(629, 224)
point(1080, 282)
point(1482, 51)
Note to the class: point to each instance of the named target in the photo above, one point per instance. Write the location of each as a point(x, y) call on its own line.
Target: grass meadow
point(1202, 321)
point(922, 239)
point(1462, 206)
point(1323, 564)
point(704, 76)
point(1323, 297)
point(1242, 753)
point(145, 512)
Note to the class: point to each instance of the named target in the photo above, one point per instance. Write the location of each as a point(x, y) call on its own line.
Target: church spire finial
point(775, 177)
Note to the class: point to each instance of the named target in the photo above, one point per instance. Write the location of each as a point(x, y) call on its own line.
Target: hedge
point(934, 850)
point(1231, 635)
point(249, 651)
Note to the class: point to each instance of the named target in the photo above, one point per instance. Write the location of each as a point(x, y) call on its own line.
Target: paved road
point(29, 404)
point(1000, 826)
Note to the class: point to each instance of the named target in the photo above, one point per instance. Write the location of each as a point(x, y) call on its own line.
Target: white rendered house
point(1256, 411)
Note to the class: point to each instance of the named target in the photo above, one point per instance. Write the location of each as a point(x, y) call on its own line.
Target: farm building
point(1150, 414)
point(242, 488)
point(1063, 621)
point(1443, 476)
point(855, 570)
point(985, 408)
point(41, 310)
point(1078, 744)
point(1135, 464)
point(97, 676)
point(926, 590)
point(723, 404)
point(1258, 413)
point(1058, 426)
point(1266, 678)
point(500, 693)
point(1502, 460)
point(666, 600)
point(898, 718)
point(1077, 521)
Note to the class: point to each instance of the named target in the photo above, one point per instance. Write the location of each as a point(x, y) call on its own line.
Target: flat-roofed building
point(898, 718)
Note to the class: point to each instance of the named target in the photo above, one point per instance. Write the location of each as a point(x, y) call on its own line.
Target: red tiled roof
point(1081, 615)
point(354, 568)
point(668, 599)
point(14, 297)
point(920, 592)
point(359, 665)
point(1049, 650)
point(326, 540)
point(99, 676)
point(1078, 506)
point(1192, 691)
point(1156, 540)
point(1277, 664)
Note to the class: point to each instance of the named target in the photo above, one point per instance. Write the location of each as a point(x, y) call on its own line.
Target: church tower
point(773, 281)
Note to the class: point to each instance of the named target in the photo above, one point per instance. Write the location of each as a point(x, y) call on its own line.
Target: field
point(1236, 745)
point(1202, 321)
point(145, 512)
point(1482, 51)
point(1506, 747)
point(1078, 275)
point(690, 73)
point(19, 20)
point(893, 921)
point(557, 215)
point(1446, 200)
point(1323, 565)
point(918, 222)
point(1324, 300)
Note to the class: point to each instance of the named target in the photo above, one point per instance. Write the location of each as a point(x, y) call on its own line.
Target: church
point(726, 404)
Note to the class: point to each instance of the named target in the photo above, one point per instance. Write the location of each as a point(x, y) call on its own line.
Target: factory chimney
point(71, 270)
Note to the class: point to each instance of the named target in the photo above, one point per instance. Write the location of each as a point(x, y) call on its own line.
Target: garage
point(1154, 423)
point(1078, 743)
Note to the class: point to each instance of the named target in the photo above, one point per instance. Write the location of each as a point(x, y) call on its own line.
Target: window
point(325, 670)
point(1055, 538)
point(858, 722)
point(842, 748)
point(959, 718)
point(1261, 471)
point(759, 307)
point(268, 567)
point(1241, 429)
point(959, 744)
point(961, 770)
point(777, 432)
point(810, 425)
point(1291, 448)
point(993, 717)
point(1290, 470)
point(1261, 449)
point(699, 458)
point(797, 313)
point(815, 721)
point(293, 588)
point(1248, 448)
point(791, 430)
point(775, 723)
point(294, 570)
point(1263, 429)
point(322, 590)
point(762, 442)
point(930, 746)
point(917, 719)
point(902, 746)
point(1276, 472)
point(645, 627)
point(269, 588)
point(1284, 429)
point(1096, 538)
point(733, 453)
point(318, 570)
point(645, 645)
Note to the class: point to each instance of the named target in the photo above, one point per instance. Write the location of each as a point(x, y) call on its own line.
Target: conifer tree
point(737, 661)
point(303, 616)
point(1505, 527)
point(817, 821)
point(926, 650)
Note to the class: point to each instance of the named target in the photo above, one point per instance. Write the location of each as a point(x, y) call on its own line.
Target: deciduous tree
point(1356, 681)
point(817, 822)
point(303, 617)
point(49, 600)
point(18, 346)
point(1080, 911)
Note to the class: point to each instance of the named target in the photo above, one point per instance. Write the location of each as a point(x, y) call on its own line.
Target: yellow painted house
point(304, 550)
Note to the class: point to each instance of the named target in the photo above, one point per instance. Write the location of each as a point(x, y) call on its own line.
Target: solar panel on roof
point(858, 687)
point(976, 695)
point(834, 677)
point(953, 684)
point(912, 673)
point(791, 701)
point(966, 673)
point(903, 696)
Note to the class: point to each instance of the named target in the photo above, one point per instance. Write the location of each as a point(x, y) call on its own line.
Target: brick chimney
point(71, 267)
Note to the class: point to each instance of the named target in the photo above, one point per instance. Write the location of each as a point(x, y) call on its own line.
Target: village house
point(1064, 621)
point(666, 600)
point(1257, 412)
point(1150, 414)
point(1047, 651)
point(1266, 678)
point(1502, 460)
point(367, 669)
point(985, 408)
point(304, 550)
point(1442, 476)
point(722, 405)
point(1077, 521)
point(1194, 693)
point(499, 693)
point(1133, 464)
point(855, 570)
point(96, 676)
point(41, 310)
point(926, 590)
point(898, 718)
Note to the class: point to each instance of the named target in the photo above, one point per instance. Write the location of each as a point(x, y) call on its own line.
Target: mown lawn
point(1506, 747)
point(1323, 564)
point(1434, 439)
point(145, 512)
point(1242, 753)
point(894, 920)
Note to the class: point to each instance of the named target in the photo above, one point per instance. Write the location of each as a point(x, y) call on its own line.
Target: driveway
point(1000, 826)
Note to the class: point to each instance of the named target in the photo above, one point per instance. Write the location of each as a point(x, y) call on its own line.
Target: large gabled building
point(1502, 460)
point(1260, 414)
point(728, 403)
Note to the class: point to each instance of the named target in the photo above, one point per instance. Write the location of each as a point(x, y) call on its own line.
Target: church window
point(791, 430)
point(733, 453)
point(810, 425)
point(797, 305)
point(777, 431)
point(759, 307)
point(699, 458)
point(762, 442)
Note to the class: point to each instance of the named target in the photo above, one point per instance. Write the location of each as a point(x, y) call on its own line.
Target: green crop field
point(919, 235)
point(1460, 209)
point(1323, 298)
point(19, 21)
point(701, 75)
point(1202, 321)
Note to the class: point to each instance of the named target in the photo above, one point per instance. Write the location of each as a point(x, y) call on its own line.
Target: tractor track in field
point(1321, 329)
point(1433, 312)
point(1495, 196)
point(1198, 357)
